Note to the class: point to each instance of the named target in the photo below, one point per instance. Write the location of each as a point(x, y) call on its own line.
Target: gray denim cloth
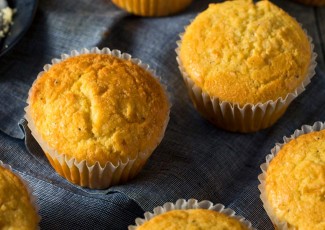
point(194, 160)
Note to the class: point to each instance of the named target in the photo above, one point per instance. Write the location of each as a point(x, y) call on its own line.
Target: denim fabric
point(194, 160)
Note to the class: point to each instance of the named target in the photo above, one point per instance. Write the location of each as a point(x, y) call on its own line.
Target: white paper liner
point(247, 118)
point(317, 126)
point(32, 198)
point(182, 204)
point(81, 173)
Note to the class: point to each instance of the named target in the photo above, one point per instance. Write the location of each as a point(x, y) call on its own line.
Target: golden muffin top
point(295, 182)
point(192, 219)
point(243, 52)
point(99, 108)
point(16, 210)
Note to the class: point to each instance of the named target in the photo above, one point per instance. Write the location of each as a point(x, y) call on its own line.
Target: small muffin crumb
point(6, 20)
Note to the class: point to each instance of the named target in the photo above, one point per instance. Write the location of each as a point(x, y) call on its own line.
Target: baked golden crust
point(16, 210)
point(243, 52)
point(295, 182)
point(192, 219)
point(99, 108)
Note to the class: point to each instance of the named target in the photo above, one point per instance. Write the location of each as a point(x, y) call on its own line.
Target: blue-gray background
point(194, 160)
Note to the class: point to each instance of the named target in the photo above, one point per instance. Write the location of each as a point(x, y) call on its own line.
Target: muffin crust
point(243, 52)
point(192, 219)
point(99, 108)
point(295, 182)
point(16, 210)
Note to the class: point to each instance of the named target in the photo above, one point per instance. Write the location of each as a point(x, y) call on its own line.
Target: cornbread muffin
point(153, 8)
point(191, 214)
point(244, 54)
point(295, 183)
point(192, 219)
point(16, 210)
point(100, 109)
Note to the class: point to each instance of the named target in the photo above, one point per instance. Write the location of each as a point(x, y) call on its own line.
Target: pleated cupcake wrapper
point(81, 173)
point(152, 8)
point(247, 118)
point(182, 204)
point(32, 198)
point(317, 126)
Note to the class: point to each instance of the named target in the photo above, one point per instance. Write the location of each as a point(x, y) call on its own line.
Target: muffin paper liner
point(317, 126)
point(81, 173)
point(151, 8)
point(246, 118)
point(182, 204)
point(32, 198)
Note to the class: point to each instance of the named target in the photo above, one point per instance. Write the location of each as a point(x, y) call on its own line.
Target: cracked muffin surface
point(99, 108)
point(16, 210)
point(295, 182)
point(242, 52)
